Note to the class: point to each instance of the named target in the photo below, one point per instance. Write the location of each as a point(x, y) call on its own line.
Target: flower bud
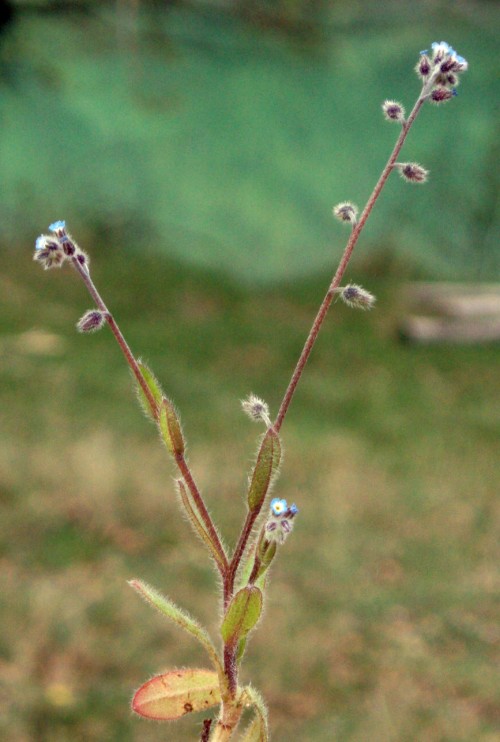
point(256, 409)
point(49, 252)
point(448, 80)
point(356, 297)
point(412, 172)
point(393, 111)
point(424, 66)
point(346, 212)
point(91, 321)
point(441, 95)
point(69, 246)
point(81, 256)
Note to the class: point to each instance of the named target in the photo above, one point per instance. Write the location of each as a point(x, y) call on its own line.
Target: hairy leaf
point(265, 468)
point(176, 693)
point(242, 614)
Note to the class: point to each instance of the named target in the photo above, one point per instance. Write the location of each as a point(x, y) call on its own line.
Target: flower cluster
point(279, 524)
point(439, 70)
point(53, 250)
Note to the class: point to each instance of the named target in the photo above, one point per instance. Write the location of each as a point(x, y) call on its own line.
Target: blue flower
point(278, 506)
point(442, 46)
point(442, 50)
point(57, 226)
point(293, 510)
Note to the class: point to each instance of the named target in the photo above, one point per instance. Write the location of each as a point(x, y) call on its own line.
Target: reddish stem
point(222, 563)
point(129, 356)
point(357, 229)
point(238, 553)
point(180, 460)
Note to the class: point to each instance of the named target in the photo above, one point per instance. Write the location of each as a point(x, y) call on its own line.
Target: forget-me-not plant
point(268, 523)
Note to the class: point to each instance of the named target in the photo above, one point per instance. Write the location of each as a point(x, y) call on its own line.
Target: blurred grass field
point(382, 616)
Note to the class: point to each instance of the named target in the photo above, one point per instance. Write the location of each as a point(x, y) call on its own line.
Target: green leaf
point(265, 468)
point(242, 645)
point(266, 556)
point(170, 428)
point(190, 506)
point(182, 619)
point(153, 386)
point(242, 614)
point(176, 693)
point(254, 733)
point(258, 731)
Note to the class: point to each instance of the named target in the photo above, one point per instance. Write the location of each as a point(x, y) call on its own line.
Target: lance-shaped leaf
point(254, 732)
point(258, 730)
point(182, 619)
point(176, 693)
point(242, 645)
point(242, 614)
point(257, 563)
point(153, 386)
point(191, 508)
point(265, 554)
point(265, 468)
point(170, 428)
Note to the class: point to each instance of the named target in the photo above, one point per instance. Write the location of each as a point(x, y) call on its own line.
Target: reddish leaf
point(175, 693)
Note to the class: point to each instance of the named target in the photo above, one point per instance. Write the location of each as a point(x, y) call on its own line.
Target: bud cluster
point(280, 521)
point(439, 69)
point(53, 250)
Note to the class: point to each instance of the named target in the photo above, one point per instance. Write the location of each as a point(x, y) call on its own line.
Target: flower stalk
point(255, 549)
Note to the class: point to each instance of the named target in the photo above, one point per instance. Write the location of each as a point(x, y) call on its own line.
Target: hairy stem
point(222, 561)
point(229, 718)
point(129, 356)
point(335, 283)
point(238, 554)
point(181, 462)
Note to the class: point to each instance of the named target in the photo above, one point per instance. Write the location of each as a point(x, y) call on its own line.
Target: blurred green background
point(196, 150)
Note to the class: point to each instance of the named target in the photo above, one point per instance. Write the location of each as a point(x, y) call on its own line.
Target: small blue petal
point(454, 92)
point(278, 506)
point(293, 509)
point(57, 225)
point(424, 51)
point(443, 45)
point(40, 242)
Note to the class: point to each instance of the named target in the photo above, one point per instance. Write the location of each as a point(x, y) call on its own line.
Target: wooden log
point(419, 329)
point(456, 300)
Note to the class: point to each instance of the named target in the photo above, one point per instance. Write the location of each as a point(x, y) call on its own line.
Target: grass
point(381, 620)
